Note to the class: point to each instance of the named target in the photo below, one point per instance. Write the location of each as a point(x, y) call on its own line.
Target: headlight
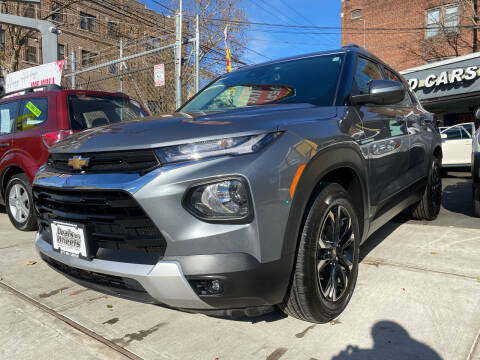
point(227, 146)
point(224, 200)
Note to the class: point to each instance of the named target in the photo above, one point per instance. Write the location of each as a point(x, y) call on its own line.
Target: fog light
point(223, 200)
point(207, 287)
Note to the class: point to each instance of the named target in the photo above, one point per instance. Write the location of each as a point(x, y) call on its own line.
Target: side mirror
point(381, 92)
point(477, 114)
point(443, 136)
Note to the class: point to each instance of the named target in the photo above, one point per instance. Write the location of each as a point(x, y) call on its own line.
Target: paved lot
point(417, 297)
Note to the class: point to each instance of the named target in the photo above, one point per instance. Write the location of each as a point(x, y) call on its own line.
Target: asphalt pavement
point(417, 297)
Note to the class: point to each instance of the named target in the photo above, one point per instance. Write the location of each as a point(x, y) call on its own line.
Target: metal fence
point(129, 68)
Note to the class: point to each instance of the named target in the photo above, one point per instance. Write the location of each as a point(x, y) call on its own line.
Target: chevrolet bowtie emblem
point(78, 163)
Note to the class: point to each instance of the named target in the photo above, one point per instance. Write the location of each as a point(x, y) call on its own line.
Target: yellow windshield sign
point(35, 111)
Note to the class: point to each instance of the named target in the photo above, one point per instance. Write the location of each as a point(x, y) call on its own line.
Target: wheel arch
point(437, 152)
point(8, 173)
point(343, 164)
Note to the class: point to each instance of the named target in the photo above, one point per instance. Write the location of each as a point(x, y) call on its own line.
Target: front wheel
point(19, 203)
point(429, 207)
point(326, 269)
point(476, 202)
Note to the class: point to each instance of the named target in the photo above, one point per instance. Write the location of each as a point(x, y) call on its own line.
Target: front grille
point(135, 161)
point(112, 219)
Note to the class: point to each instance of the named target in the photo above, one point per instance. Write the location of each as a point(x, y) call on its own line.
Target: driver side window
point(366, 72)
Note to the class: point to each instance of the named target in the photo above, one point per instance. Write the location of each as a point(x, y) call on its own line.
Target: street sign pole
point(178, 58)
point(197, 55)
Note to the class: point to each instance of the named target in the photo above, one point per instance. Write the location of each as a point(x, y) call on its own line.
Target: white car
point(457, 145)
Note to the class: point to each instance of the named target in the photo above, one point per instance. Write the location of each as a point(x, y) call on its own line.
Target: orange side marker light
point(293, 186)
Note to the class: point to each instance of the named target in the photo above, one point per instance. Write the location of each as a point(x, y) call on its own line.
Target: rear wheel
point(429, 207)
point(326, 269)
point(19, 203)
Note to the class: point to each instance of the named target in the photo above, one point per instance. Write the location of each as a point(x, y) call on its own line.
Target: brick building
point(93, 29)
point(410, 33)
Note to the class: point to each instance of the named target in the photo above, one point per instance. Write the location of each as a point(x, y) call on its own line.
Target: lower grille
point(108, 284)
point(112, 219)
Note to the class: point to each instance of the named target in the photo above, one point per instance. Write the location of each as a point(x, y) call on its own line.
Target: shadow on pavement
point(390, 341)
point(2, 210)
point(457, 198)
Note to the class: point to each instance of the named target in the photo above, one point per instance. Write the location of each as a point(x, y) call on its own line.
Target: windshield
point(87, 111)
point(311, 80)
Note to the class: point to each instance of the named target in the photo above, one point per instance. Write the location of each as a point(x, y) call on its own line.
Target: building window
point(356, 14)
point(87, 22)
point(30, 11)
point(2, 39)
point(112, 30)
point(444, 18)
point(31, 54)
point(451, 18)
point(61, 55)
point(61, 52)
point(88, 57)
point(58, 14)
point(112, 69)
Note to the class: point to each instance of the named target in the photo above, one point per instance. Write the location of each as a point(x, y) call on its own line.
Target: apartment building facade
point(94, 30)
point(411, 33)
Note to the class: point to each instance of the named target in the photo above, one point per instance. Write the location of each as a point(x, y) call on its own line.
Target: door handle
point(4, 145)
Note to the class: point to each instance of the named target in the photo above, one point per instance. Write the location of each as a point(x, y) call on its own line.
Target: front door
point(386, 142)
point(456, 146)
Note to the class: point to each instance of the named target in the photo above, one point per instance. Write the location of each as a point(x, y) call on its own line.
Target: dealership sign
point(46, 74)
point(445, 78)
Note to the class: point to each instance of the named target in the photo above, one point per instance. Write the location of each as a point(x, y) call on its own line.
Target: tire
point(19, 203)
point(429, 207)
point(476, 202)
point(309, 297)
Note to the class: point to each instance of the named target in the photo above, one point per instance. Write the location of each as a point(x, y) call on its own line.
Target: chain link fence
point(129, 69)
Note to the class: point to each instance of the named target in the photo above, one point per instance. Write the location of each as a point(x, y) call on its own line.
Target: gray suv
point(256, 193)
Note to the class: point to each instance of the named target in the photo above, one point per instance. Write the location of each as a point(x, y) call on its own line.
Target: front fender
point(340, 155)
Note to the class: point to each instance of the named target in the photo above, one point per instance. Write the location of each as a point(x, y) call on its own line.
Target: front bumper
point(248, 259)
point(246, 283)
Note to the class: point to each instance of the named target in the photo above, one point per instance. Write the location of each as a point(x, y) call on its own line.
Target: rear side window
point(8, 114)
point(91, 111)
point(33, 113)
point(367, 71)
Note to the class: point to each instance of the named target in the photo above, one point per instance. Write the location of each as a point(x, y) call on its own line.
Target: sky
point(265, 43)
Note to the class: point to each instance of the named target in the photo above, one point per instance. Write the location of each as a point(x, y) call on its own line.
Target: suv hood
point(172, 129)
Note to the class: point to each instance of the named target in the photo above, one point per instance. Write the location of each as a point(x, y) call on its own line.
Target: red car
point(33, 120)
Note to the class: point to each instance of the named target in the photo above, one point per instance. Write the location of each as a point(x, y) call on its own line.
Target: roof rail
point(31, 89)
point(352, 45)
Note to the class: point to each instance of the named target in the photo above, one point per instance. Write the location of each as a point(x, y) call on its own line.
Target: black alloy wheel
point(326, 267)
point(429, 207)
point(336, 249)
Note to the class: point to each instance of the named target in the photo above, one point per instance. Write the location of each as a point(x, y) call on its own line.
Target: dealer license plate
point(69, 239)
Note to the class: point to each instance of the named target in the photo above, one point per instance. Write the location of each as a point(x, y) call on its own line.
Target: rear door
point(8, 114)
point(386, 141)
point(457, 146)
point(419, 136)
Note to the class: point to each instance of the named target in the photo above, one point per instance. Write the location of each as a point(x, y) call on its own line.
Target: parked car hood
point(171, 129)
